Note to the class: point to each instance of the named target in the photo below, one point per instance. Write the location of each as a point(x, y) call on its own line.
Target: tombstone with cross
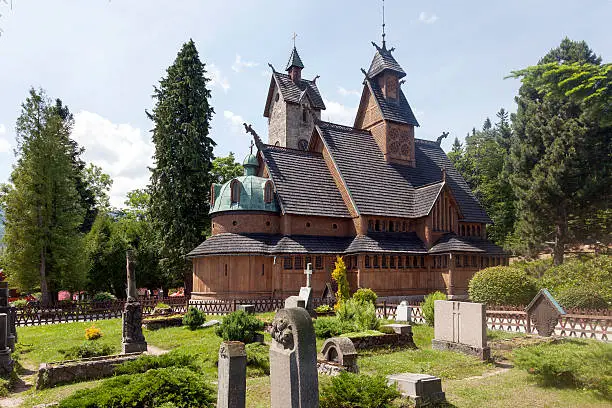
point(304, 299)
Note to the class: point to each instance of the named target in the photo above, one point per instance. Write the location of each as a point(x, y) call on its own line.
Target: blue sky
point(102, 58)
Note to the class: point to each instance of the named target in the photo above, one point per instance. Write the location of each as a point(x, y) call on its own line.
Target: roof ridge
point(433, 183)
point(291, 149)
point(341, 127)
point(310, 81)
point(426, 141)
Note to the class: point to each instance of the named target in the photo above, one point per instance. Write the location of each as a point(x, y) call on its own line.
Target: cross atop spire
point(383, 25)
point(293, 36)
point(251, 146)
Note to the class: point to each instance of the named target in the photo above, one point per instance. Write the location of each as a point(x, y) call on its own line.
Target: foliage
point(559, 165)
point(349, 390)
point(88, 349)
point(361, 314)
point(93, 333)
point(239, 326)
point(194, 318)
point(148, 362)
point(42, 209)
point(258, 357)
point(577, 363)
point(162, 306)
point(582, 297)
point(181, 117)
point(180, 386)
point(501, 285)
point(428, 306)
point(19, 303)
point(103, 297)
point(324, 309)
point(326, 327)
point(339, 275)
point(365, 295)
point(225, 168)
point(5, 387)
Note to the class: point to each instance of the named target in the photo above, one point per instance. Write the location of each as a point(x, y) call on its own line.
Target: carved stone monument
point(133, 339)
point(305, 295)
point(341, 351)
point(294, 380)
point(231, 375)
point(5, 308)
point(6, 362)
point(461, 326)
point(544, 312)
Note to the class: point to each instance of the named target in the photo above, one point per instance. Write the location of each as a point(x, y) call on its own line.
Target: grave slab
point(423, 389)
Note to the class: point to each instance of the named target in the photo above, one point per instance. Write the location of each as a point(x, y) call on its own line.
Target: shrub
point(19, 303)
point(103, 297)
point(582, 297)
point(258, 358)
point(365, 295)
point(5, 387)
point(147, 362)
point(357, 390)
point(361, 314)
point(179, 386)
point(428, 306)
point(324, 309)
point(162, 306)
point(576, 363)
point(502, 285)
point(194, 318)
point(88, 349)
point(326, 327)
point(93, 333)
point(239, 326)
point(339, 275)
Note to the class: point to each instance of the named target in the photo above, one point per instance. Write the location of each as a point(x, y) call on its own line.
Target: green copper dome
point(250, 164)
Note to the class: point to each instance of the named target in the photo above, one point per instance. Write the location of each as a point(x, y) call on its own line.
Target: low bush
point(361, 314)
point(194, 318)
point(148, 362)
point(19, 303)
point(87, 350)
point(577, 363)
point(365, 295)
point(179, 386)
point(428, 306)
point(93, 333)
point(582, 297)
point(324, 309)
point(162, 306)
point(502, 285)
point(5, 387)
point(103, 297)
point(326, 327)
point(239, 326)
point(357, 390)
point(258, 358)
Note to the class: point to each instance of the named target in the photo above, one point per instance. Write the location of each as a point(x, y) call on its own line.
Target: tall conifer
point(180, 180)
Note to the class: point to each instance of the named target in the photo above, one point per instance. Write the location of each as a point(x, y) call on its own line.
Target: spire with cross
point(251, 146)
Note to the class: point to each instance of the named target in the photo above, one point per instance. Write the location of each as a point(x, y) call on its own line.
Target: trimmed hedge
point(365, 295)
point(88, 349)
point(148, 362)
point(582, 297)
point(326, 327)
point(428, 306)
point(502, 285)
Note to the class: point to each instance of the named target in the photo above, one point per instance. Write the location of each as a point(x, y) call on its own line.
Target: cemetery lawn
point(466, 381)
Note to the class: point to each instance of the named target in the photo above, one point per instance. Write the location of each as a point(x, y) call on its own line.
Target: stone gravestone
point(328, 293)
point(403, 312)
point(6, 362)
point(294, 381)
point(305, 293)
point(341, 351)
point(544, 311)
point(461, 326)
point(231, 375)
point(133, 339)
point(423, 389)
point(5, 308)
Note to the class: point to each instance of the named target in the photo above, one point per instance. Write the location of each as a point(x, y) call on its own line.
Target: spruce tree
point(43, 212)
point(180, 180)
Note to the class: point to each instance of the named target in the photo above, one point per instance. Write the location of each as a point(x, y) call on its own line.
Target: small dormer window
point(268, 193)
point(235, 187)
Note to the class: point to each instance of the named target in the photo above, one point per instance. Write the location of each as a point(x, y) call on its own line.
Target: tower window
point(268, 192)
point(307, 225)
point(235, 187)
point(367, 261)
point(376, 261)
point(276, 98)
point(234, 223)
point(298, 262)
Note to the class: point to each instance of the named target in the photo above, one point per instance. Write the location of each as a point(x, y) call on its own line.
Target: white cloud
point(235, 121)
point(5, 145)
point(338, 113)
point(239, 64)
point(427, 18)
point(121, 150)
point(345, 92)
point(217, 78)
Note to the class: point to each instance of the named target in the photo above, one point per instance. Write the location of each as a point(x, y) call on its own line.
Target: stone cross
point(231, 375)
point(294, 381)
point(308, 273)
point(456, 321)
point(132, 294)
point(133, 339)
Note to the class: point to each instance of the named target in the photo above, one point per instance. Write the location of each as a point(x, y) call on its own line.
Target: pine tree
point(43, 212)
point(180, 180)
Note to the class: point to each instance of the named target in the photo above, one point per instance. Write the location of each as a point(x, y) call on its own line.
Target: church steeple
point(295, 66)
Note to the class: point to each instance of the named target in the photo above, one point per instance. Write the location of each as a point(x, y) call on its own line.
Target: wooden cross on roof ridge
point(251, 146)
point(293, 36)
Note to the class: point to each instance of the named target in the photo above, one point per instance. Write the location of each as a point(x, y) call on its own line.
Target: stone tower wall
point(277, 124)
point(286, 125)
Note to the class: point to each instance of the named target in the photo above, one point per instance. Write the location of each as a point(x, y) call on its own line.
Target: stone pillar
point(294, 381)
point(231, 375)
point(133, 339)
point(6, 362)
point(4, 308)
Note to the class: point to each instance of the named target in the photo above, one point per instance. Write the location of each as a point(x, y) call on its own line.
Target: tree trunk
point(560, 236)
point(44, 287)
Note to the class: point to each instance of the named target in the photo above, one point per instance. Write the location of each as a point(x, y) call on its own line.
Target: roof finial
point(293, 36)
point(383, 24)
point(251, 146)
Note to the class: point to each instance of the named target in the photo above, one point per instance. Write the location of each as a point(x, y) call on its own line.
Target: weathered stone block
point(461, 326)
point(232, 375)
point(249, 309)
point(404, 329)
point(422, 388)
point(403, 312)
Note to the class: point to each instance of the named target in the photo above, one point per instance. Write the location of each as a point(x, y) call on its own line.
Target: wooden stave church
point(394, 207)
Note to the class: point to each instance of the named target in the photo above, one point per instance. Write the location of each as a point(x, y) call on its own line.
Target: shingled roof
point(391, 189)
point(407, 242)
point(292, 91)
point(294, 60)
point(303, 182)
point(383, 60)
point(392, 111)
point(455, 243)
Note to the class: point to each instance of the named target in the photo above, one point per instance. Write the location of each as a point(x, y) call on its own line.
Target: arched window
point(212, 195)
point(235, 187)
point(268, 193)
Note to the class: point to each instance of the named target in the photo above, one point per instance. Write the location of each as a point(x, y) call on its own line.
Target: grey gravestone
point(328, 293)
point(133, 339)
point(5, 308)
point(341, 350)
point(403, 329)
point(294, 379)
point(231, 375)
point(422, 388)
point(403, 312)
point(6, 362)
point(249, 309)
point(461, 326)
point(295, 301)
point(544, 311)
